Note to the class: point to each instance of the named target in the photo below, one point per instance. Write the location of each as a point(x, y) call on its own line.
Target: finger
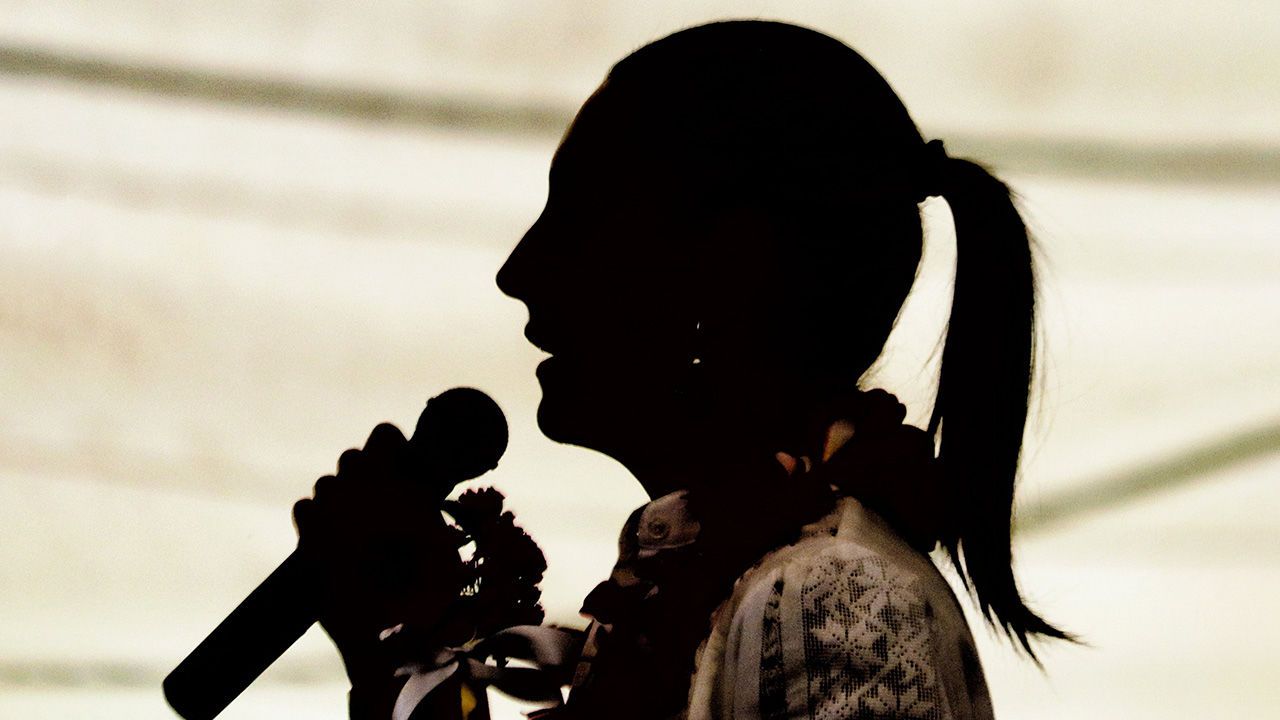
point(384, 451)
point(385, 438)
point(302, 515)
point(350, 463)
point(329, 497)
point(325, 487)
point(306, 521)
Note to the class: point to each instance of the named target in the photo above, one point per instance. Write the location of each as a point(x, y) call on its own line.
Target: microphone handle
point(273, 617)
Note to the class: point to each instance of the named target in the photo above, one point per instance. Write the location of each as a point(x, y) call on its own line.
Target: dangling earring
point(692, 383)
point(695, 356)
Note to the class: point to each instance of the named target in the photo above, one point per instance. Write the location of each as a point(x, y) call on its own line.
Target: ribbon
point(553, 652)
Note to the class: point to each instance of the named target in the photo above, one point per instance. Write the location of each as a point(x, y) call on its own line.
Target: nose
point(507, 276)
point(513, 276)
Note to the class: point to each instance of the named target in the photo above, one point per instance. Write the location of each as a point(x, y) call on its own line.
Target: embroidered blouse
point(845, 618)
point(849, 622)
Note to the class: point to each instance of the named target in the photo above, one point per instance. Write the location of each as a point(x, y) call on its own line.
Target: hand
point(381, 551)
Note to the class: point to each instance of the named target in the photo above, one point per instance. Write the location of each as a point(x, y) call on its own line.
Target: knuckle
point(348, 460)
point(323, 487)
point(302, 510)
point(385, 443)
point(385, 433)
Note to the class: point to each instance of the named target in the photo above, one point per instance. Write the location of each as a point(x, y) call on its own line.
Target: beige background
point(187, 190)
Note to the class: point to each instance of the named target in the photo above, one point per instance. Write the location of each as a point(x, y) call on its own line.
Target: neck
point(696, 457)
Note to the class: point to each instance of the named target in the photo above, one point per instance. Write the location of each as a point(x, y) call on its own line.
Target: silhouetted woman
point(731, 228)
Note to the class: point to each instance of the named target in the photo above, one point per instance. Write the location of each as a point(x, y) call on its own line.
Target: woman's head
point(731, 228)
point(738, 193)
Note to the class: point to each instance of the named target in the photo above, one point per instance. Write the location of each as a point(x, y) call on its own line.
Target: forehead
point(589, 140)
point(609, 140)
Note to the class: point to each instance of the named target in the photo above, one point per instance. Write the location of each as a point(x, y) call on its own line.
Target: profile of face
point(715, 253)
point(635, 300)
point(731, 228)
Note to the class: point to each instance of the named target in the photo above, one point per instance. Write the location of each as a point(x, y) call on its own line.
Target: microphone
point(460, 435)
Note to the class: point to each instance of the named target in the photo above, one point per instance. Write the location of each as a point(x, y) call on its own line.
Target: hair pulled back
point(799, 128)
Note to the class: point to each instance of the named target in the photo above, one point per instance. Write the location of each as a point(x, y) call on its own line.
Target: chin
point(553, 422)
point(586, 405)
point(564, 415)
point(582, 416)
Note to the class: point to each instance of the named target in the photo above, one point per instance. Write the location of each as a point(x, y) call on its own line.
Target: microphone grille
point(460, 435)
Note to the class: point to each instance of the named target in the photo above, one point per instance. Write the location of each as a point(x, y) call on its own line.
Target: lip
point(547, 365)
point(537, 340)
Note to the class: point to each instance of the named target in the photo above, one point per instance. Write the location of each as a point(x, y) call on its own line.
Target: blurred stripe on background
point(234, 236)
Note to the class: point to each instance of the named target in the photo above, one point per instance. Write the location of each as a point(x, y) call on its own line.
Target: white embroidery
point(867, 644)
point(849, 623)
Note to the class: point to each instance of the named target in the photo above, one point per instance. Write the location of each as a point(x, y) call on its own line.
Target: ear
point(737, 266)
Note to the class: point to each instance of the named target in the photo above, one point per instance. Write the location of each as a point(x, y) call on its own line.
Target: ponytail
point(984, 386)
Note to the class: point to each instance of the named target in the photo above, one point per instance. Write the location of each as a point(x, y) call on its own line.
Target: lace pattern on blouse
point(848, 623)
point(867, 644)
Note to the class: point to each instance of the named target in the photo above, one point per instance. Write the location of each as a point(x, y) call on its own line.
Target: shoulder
point(851, 625)
point(843, 624)
point(851, 560)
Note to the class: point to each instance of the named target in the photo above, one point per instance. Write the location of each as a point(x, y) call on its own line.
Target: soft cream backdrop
point(203, 301)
